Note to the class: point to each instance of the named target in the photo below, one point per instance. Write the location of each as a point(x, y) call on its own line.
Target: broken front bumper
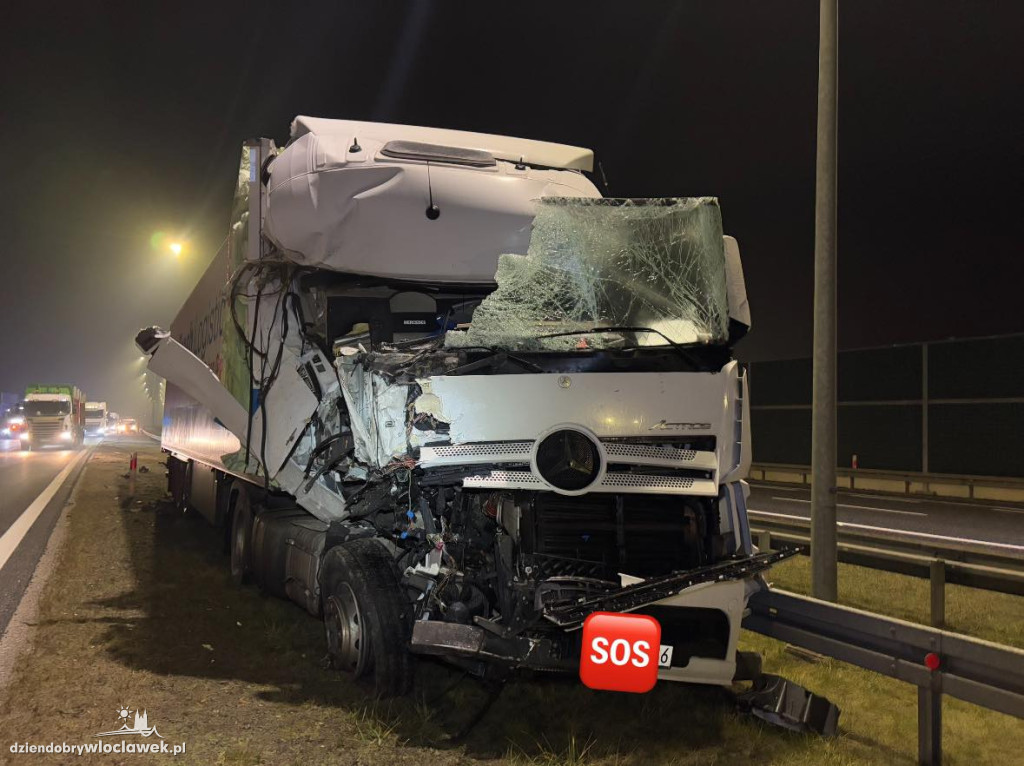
point(720, 587)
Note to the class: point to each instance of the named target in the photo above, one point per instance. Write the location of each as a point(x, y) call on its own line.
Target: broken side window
point(657, 264)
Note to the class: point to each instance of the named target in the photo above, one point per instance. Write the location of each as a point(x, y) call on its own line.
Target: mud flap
point(789, 705)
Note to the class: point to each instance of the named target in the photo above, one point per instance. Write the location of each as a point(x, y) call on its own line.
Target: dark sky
point(124, 118)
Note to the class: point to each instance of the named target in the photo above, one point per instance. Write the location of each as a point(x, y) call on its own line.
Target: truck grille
point(640, 535)
point(45, 432)
point(633, 465)
point(613, 481)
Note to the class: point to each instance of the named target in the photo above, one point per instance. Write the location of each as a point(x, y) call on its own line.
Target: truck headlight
point(66, 435)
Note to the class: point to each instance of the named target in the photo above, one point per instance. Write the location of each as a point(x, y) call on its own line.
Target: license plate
point(665, 656)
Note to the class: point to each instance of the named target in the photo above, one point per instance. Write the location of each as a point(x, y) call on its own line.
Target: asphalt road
point(990, 522)
point(26, 479)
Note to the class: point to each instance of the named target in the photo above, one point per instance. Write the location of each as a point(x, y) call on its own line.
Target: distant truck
point(54, 415)
point(95, 418)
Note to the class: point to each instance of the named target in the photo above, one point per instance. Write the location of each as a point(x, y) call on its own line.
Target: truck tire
point(367, 617)
point(241, 538)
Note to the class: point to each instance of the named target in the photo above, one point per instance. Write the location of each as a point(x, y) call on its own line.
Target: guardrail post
point(929, 726)
point(764, 540)
point(937, 579)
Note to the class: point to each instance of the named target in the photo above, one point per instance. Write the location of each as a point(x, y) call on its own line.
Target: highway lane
point(26, 479)
point(991, 521)
point(23, 475)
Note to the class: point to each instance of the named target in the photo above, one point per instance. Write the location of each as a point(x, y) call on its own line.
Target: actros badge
point(620, 652)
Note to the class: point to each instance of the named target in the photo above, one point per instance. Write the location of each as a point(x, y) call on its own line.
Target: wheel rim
point(345, 640)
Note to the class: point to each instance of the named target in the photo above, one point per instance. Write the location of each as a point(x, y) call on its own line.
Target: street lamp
point(176, 248)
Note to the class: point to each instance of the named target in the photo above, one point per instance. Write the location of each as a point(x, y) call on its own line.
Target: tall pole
point(823, 430)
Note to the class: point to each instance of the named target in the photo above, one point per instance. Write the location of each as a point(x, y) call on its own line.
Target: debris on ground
point(789, 705)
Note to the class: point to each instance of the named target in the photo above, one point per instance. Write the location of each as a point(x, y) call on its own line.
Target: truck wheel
point(367, 617)
point(241, 539)
point(26, 446)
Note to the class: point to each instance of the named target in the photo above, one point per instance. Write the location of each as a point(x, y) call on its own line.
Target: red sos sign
point(620, 652)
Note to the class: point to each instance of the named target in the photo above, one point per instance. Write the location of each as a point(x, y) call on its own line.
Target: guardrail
point(998, 567)
point(996, 488)
point(935, 661)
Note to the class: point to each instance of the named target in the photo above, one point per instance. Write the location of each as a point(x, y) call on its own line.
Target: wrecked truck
point(445, 396)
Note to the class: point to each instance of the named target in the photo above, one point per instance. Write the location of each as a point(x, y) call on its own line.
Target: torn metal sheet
point(377, 410)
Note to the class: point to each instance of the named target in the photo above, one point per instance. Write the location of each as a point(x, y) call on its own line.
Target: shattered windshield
point(598, 263)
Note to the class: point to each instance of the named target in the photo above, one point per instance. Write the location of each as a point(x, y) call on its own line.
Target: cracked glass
point(656, 264)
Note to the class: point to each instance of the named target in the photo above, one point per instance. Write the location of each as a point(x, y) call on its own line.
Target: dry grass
point(141, 611)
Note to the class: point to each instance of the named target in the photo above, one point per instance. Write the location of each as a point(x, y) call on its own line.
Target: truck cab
point(95, 418)
point(54, 416)
point(489, 402)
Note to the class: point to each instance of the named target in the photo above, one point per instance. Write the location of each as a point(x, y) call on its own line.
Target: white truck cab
point(488, 402)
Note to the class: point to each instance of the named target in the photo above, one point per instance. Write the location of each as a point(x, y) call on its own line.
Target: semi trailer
point(95, 418)
point(441, 393)
point(54, 416)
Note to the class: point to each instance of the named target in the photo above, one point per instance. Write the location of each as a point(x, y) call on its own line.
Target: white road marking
point(847, 505)
point(987, 543)
point(882, 510)
point(876, 497)
point(861, 507)
point(1008, 510)
point(17, 531)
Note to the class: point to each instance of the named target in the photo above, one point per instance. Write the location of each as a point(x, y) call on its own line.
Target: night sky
point(121, 119)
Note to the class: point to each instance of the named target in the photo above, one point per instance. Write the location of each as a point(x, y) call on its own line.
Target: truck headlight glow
point(66, 435)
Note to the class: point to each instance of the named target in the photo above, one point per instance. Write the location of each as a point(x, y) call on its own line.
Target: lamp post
point(824, 583)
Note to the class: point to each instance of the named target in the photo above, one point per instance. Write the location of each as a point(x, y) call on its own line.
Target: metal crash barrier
point(935, 661)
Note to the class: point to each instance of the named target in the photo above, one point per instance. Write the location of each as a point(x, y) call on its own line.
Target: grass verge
point(997, 617)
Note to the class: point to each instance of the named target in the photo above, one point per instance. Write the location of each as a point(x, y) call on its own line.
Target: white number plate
point(665, 657)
